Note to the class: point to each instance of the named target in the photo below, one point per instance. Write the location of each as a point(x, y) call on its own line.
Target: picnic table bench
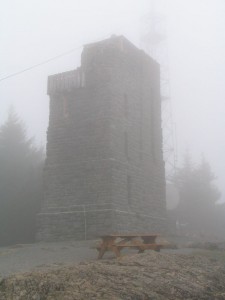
point(117, 242)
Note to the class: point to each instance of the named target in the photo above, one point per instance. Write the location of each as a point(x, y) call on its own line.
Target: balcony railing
point(66, 81)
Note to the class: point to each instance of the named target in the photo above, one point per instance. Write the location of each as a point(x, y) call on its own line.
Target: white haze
point(33, 31)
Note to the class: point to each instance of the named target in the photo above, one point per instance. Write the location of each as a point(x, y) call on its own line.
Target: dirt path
point(22, 258)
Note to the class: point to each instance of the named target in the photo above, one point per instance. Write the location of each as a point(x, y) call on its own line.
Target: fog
point(32, 32)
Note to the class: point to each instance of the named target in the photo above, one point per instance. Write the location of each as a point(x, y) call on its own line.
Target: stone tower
point(104, 169)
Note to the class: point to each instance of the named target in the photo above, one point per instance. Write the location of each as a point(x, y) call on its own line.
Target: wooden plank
point(132, 245)
point(133, 235)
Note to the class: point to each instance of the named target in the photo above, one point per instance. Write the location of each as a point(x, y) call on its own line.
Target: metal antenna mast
point(154, 42)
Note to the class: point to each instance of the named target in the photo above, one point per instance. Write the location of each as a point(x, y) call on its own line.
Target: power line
point(51, 59)
point(40, 64)
point(47, 61)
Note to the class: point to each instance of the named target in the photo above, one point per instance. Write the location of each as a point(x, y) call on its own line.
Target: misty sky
point(33, 31)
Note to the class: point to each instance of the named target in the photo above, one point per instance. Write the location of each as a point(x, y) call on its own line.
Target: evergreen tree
point(20, 182)
point(198, 196)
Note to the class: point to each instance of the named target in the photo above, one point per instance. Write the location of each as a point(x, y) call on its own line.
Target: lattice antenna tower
point(154, 42)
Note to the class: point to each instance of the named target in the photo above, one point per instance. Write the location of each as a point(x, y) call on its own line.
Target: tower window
point(125, 106)
point(126, 145)
point(129, 189)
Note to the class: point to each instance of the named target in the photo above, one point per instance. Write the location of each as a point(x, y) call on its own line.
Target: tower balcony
point(65, 82)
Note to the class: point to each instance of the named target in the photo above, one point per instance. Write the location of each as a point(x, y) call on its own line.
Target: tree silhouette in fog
point(198, 196)
point(20, 182)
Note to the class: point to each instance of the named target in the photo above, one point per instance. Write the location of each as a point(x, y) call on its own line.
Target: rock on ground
point(138, 277)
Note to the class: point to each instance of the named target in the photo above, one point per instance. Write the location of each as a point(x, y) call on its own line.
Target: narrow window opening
point(65, 107)
point(129, 189)
point(125, 106)
point(153, 126)
point(126, 145)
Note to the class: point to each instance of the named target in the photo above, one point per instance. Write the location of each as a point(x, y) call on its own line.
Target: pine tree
point(198, 196)
point(20, 182)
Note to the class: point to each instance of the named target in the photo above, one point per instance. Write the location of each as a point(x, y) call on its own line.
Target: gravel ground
point(148, 276)
point(26, 257)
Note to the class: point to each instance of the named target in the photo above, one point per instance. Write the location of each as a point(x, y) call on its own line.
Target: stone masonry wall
point(104, 170)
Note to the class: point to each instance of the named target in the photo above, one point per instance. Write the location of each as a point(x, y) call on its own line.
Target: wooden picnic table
point(117, 242)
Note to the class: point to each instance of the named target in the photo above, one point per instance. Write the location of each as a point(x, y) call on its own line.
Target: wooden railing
point(66, 81)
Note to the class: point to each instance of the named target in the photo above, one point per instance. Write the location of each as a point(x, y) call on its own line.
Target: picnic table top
point(129, 235)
